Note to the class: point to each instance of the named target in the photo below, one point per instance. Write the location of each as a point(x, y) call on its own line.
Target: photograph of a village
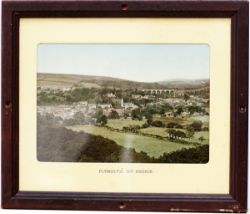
point(127, 103)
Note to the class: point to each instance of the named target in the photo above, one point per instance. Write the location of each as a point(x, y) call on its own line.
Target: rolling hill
point(49, 80)
point(185, 84)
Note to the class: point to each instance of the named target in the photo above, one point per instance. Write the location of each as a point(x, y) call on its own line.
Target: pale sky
point(137, 62)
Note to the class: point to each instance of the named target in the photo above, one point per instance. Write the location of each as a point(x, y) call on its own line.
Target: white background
point(47, 212)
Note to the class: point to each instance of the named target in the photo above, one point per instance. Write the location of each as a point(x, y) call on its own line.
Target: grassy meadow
point(152, 146)
point(119, 124)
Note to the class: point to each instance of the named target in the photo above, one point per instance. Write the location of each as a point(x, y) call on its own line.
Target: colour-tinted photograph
point(127, 103)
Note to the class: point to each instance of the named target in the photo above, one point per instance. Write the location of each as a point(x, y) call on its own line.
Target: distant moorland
point(70, 80)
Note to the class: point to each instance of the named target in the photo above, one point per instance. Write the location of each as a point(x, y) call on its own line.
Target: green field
point(155, 131)
point(195, 139)
point(152, 146)
point(183, 120)
point(166, 120)
point(120, 123)
point(163, 133)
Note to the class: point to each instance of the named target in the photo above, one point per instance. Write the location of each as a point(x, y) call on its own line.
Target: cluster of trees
point(100, 149)
point(114, 115)
point(149, 110)
point(174, 125)
point(199, 154)
point(195, 126)
point(176, 134)
point(58, 144)
point(93, 95)
point(136, 114)
point(131, 128)
point(192, 109)
point(100, 117)
point(157, 123)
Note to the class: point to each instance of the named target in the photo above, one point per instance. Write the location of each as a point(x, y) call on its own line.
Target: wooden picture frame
point(12, 197)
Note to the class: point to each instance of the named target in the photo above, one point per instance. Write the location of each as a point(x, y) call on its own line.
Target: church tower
point(122, 104)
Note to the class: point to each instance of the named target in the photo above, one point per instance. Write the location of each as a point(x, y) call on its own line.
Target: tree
point(180, 134)
point(193, 109)
point(205, 129)
point(190, 128)
point(149, 118)
point(175, 134)
point(162, 112)
point(102, 120)
point(136, 114)
point(126, 114)
point(171, 133)
point(131, 128)
point(198, 154)
point(201, 138)
point(157, 123)
point(190, 133)
point(114, 115)
point(98, 113)
point(179, 110)
point(145, 125)
point(186, 97)
point(174, 125)
point(197, 125)
point(140, 117)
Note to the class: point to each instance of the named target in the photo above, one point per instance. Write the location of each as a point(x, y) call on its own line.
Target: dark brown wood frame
point(236, 201)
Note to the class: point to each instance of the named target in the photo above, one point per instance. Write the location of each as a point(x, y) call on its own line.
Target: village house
point(64, 89)
point(105, 105)
point(195, 114)
point(145, 97)
point(120, 111)
point(92, 106)
point(128, 105)
point(110, 95)
point(81, 105)
point(108, 111)
point(136, 96)
point(63, 111)
point(172, 101)
point(184, 114)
